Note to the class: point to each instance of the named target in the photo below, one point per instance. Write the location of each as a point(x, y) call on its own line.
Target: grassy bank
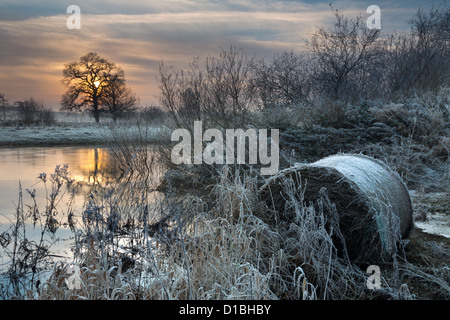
point(202, 232)
point(234, 249)
point(62, 134)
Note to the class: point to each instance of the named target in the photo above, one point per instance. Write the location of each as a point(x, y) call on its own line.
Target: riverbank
point(235, 250)
point(64, 134)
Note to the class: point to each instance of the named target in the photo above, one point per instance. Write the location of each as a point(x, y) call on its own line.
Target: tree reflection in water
point(94, 168)
point(91, 168)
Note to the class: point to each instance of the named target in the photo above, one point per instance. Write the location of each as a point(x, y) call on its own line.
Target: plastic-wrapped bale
point(372, 202)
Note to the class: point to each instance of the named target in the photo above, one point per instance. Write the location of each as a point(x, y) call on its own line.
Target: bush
point(152, 114)
point(34, 112)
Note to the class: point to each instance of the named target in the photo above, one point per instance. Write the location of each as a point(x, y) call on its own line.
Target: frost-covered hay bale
point(372, 204)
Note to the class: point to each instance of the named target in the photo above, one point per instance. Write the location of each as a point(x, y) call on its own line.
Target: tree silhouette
point(87, 83)
point(117, 98)
point(342, 54)
point(3, 102)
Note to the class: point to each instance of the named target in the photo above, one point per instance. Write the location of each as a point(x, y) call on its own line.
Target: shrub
point(33, 112)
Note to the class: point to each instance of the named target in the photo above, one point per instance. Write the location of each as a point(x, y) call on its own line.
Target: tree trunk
point(95, 111)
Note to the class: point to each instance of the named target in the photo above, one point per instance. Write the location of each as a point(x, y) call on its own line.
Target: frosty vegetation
point(202, 232)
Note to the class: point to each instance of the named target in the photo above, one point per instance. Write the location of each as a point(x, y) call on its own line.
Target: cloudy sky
point(35, 42)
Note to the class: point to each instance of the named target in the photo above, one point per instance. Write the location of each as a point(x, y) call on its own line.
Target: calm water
point(90, 167)
point(87, 166)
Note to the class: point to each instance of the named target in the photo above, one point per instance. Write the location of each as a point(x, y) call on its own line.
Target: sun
point(96, 83)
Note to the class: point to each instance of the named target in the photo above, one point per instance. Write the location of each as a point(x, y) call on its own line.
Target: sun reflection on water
point(90, 168)
point(94, 166)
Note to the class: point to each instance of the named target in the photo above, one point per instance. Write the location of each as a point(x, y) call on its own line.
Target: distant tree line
point(31, 111)
point(26, 112)
point(3, 102)
point(345, 63)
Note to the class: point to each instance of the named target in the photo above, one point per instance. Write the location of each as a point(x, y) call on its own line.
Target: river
point(90, 168)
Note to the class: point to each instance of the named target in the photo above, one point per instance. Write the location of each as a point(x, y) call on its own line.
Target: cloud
point(137, 43)
point(137, 35)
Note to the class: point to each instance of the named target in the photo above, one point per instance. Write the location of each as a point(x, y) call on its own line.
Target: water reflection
point(94, 166)
point(89, 167)
point(94, 171)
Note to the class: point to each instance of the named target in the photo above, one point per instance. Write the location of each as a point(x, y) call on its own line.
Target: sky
point(137, 35)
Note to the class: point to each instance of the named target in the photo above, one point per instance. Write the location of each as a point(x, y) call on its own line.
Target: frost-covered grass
point(69, 134)
point(130, 243)
point(65, 133)
point(208, 236)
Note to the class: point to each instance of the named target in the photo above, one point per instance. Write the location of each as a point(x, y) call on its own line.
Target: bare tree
point(431, 34)
point(117, 98)
point(418, 60)
point(229, 91)
point(220, 91)
point(283, 81)
point(169, 99)
point(341, 54)
point(85, 81)
point(32, 111)
point(432, 27)
point(3, 101)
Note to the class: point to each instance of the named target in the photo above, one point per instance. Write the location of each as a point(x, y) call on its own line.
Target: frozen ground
point(80, 129)
point(65, 133)
point(54, 135)
point(70, 129)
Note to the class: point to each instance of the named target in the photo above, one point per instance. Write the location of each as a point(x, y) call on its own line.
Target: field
point(69, 129)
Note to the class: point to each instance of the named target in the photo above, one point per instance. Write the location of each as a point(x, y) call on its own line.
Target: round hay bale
point(373, 206)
